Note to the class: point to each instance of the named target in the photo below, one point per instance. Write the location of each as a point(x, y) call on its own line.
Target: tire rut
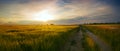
point(75, 43)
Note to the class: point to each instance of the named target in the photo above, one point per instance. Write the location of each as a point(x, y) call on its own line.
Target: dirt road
point(103, 46)
point(75, 43)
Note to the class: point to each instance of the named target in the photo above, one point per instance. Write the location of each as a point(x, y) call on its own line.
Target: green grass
point(109, 33)
point(34, 37)
point(88, 43)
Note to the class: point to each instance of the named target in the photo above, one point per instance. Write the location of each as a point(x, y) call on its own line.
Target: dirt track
point(75, 43)
point(100, 43)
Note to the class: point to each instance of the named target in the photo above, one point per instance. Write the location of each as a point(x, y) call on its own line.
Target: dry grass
point(88, 43)
point(109, 33)
point(34, 37)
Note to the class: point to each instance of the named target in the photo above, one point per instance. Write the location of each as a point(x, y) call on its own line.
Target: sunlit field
point(56, 37)
point(110, 33)
point(88, 43)
point(34, 37)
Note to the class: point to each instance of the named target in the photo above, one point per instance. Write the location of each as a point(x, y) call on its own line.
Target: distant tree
point(51, 24)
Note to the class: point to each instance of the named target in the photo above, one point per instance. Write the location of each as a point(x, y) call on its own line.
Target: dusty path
point(101, 44)
point(75, 43)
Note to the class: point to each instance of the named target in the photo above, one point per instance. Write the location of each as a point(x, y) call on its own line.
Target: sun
point(43, 15)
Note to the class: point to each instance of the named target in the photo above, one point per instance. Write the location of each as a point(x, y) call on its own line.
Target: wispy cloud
point(67, 10)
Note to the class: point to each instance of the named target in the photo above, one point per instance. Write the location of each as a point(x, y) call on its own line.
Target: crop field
point(56, 37)
point(110, 33)
point(34, 37)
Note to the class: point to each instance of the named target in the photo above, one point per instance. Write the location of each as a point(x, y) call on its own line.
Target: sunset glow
point(58, 11)
point(59, 25)
point(43, 15)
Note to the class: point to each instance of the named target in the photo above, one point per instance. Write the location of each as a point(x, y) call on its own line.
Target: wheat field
point(35, 37)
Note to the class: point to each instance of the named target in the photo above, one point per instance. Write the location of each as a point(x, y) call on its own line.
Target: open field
point(59, 37)
point(34, 37)
point(110, 33)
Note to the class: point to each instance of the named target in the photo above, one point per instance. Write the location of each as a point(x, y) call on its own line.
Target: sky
point(63, 11)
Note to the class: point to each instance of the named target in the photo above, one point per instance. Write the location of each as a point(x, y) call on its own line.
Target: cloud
point(67, 11)
point(85, 8)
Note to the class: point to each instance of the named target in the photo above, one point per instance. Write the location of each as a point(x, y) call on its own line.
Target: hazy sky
point(64, 11)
